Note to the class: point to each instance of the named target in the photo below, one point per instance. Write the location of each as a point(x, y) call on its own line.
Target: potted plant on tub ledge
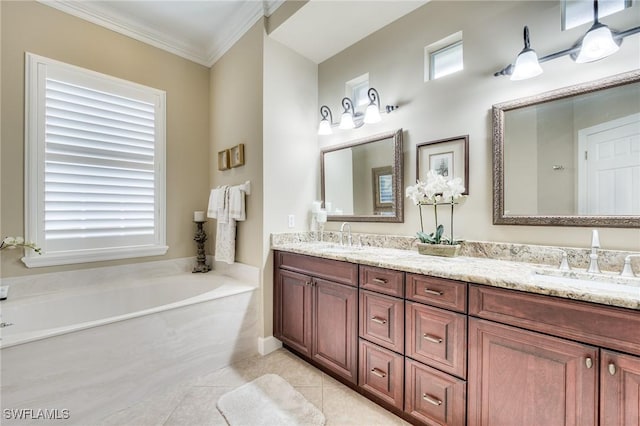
point(437, 191)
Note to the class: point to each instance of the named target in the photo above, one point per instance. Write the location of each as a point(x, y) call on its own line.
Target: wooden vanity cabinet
point(315, 310)
point(619, 389)
point(525, 378)
point(564, 369)
point(381, 331)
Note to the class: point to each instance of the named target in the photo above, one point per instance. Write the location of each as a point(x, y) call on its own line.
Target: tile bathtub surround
point(609, 260)
point(482, 270)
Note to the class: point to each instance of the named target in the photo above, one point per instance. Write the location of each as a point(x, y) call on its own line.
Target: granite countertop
point(607, 288)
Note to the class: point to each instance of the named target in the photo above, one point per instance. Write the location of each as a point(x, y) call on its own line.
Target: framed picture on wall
point(223, 160)
point(382, 189)
point(237, 155)
point(447, 157)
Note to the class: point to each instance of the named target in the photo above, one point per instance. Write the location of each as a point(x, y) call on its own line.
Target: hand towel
point(236, 203)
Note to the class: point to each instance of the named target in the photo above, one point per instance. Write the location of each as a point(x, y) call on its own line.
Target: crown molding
point(243, 20)
point(247, 16)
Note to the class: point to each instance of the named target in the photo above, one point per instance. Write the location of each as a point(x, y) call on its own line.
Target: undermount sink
point(581, 279)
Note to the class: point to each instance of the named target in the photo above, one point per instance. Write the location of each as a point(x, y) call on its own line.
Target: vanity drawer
point(382, 280)
point(382, 373)
point(332, 270)
point(441, 292)
point(382, 320)
point(437, 337)
point(434, 397)
point(600, 325)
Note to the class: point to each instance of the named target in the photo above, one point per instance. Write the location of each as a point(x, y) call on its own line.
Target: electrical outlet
point(292, 221)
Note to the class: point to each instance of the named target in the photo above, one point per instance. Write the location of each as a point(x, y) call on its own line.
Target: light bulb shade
point(346, 121)
point(597, 44)
point(372, 114)
point(526, 66)
point(324, 128)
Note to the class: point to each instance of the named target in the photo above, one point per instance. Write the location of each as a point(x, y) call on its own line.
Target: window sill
point(85, 256)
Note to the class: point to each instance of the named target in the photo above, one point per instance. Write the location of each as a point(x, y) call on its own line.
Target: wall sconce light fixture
point(350, 119)
point(598, 43)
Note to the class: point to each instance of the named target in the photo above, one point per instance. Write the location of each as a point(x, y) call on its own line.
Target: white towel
point(236, 203)
point(229, 206)
point(217, 200)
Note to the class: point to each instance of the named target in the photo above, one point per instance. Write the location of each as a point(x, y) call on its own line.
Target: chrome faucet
point(349, 240)
point(595, 245)
point(627, 270)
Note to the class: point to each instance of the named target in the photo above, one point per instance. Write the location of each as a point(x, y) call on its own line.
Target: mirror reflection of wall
point(574, 156)
point(349, 186)
point(362, 180)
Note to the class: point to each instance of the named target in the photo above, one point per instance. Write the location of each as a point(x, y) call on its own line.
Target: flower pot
point(444, 250)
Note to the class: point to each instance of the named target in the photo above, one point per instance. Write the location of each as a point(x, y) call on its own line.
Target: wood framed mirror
point(569, 157)
point(362, 180)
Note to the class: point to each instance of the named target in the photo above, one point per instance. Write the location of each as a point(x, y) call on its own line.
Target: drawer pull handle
point(378, 373)
point(588, 362)
point(379, 320)
point(431, 400)
point(307, 283)
point(380, 280)
point(434, 292)
point(432, 339)
point(612, 369)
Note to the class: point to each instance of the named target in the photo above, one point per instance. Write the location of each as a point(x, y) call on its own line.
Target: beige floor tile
point(291, 368)
point(198, 407)
point(313, 394)
point(235, 375)
point(345, 407)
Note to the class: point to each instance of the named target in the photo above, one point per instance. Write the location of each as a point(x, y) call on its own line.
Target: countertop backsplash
point(608, 260)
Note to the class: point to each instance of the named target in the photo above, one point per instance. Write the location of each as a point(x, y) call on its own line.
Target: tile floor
point(195, 404)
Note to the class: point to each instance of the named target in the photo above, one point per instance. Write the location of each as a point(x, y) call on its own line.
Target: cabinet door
point(518, 377)
point(619, 389)
point(335, 327)
point(293, 310)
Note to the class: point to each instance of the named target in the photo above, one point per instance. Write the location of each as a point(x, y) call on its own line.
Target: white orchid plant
point(435, 191)
point(14, 242)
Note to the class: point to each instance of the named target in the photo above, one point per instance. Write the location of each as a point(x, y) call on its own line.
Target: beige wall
point(291, 158)
point(461, 103)
point(236, 117)
point(33, 27)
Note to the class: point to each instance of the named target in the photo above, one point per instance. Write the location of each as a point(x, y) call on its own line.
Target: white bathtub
point(86, 349)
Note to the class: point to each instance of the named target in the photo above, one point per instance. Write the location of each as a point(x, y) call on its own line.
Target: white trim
point(97, 255)
point(266, 345)
point(161, 41)
point(207, 55)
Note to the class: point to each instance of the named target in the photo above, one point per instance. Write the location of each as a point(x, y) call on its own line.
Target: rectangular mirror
point(362, 181)
point(570, 156)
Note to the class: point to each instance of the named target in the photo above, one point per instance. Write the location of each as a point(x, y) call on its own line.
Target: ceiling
point(203, 30)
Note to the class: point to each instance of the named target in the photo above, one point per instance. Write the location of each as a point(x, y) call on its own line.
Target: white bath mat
point(269, 400)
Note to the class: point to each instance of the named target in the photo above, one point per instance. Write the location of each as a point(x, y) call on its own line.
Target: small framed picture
point(237, 155)
point(382, 189)
point(223, 160)
point(447, 157)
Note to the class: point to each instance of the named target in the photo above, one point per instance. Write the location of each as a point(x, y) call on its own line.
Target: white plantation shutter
point(95, 165)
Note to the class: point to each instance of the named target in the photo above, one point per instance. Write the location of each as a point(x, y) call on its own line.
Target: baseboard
point(266, 345)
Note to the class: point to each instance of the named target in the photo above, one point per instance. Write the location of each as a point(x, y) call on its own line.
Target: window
point(578, 12)
point(95, 168)
point(356, 89)
point(444, 57)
